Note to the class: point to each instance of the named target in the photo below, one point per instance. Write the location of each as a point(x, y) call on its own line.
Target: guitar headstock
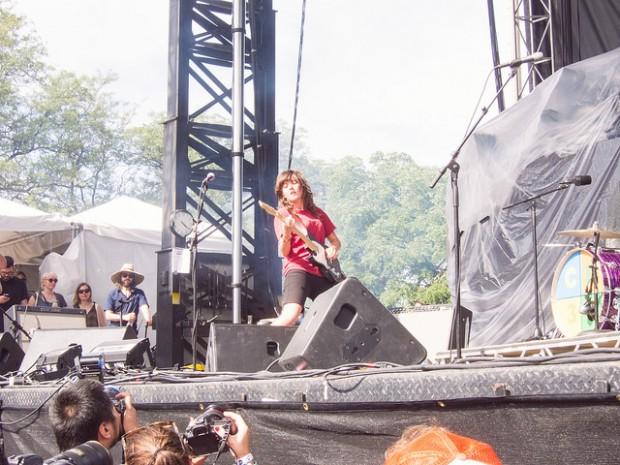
point(268, 208)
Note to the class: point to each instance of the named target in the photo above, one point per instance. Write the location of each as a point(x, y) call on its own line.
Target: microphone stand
point(538, 334)
point(194, 264)
point(15, 326)
point(454, 167)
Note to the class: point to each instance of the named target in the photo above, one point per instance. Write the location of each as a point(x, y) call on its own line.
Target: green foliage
point(145, 149)
point(391, 224)
point(20, 70)
point(64, 141)
point(78, 152)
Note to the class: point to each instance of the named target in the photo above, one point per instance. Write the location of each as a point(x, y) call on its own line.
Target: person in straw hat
point(126, 300)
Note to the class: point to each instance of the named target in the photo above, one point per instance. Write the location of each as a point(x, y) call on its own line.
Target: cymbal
point(591, 232)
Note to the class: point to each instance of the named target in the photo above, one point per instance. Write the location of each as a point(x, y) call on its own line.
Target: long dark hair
point(76, 294)
point(307, 195)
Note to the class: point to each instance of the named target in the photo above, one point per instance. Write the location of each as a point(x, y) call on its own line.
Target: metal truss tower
point(533, 32)
point(198, 135)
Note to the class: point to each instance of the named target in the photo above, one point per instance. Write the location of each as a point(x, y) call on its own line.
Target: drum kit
point(585, 294)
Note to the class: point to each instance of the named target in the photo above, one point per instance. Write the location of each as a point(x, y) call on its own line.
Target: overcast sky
point(397, 75)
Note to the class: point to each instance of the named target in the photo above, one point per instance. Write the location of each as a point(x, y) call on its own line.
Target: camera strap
point(222, 446)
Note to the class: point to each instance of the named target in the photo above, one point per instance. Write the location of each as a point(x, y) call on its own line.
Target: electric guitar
point(330, 269)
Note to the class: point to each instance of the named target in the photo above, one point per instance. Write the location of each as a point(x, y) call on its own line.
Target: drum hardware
point(576, 293)
point(586, 308)
point(592, 287)
point(593, 232)
point(538, 334)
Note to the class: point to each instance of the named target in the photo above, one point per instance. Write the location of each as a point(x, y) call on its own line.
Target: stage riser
point(565, 414)
point(572, 434)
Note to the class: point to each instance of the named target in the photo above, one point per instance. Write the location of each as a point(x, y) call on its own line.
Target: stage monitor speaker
point(132, 353)
point(246, 348)
point(347, 324)
point(47, 340)
point(435, 326)
point(11, 355)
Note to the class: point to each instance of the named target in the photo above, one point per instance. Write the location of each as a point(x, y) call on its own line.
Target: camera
point(89, 453)
point(112, 391)
point(208, 432)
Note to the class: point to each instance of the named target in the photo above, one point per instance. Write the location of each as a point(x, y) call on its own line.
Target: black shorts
point(299, 285)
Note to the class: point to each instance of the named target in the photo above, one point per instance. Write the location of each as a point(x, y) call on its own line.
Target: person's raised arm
point(285, 232)
point(239, 440)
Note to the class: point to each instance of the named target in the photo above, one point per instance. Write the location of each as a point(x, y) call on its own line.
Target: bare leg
point(289, 316)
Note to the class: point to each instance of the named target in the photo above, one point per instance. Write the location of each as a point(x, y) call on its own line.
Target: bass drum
point(568, 292)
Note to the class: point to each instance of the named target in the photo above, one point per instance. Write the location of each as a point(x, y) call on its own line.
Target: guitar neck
point(272, 211)
point(304, 237)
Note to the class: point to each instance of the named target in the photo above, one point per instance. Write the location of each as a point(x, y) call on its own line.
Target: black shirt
point(17, 291)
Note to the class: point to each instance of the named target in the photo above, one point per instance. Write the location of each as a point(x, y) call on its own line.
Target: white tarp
point(124, 230)
point(27, 233)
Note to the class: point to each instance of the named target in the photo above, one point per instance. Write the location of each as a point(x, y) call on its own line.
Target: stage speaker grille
point(347, 324)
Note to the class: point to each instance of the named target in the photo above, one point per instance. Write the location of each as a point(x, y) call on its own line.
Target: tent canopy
point(27, 233)
point(100, 240)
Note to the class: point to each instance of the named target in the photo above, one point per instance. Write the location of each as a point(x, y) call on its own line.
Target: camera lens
point(89, 453)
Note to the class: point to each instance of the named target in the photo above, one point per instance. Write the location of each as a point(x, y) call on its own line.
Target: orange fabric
point(436, 446)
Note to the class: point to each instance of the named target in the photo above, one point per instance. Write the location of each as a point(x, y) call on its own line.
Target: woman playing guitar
point(302, 277)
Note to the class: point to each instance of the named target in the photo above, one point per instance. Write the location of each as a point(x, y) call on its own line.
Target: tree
point(79, 156)
point(144, 160)
point(392, 225)
point(21, 69)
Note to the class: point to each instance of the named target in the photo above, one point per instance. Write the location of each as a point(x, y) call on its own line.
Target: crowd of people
point(84, 411)
point(123, 304)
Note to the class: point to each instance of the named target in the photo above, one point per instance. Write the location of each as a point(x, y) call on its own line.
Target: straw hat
point(127, 268)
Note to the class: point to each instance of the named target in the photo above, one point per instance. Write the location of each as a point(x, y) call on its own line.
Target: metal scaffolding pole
point(238, 39)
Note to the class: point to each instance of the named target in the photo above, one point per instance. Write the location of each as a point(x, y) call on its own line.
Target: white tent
point(124, 230)
point(26, 233)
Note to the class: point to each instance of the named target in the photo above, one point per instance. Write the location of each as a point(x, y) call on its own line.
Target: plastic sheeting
point(569, 125)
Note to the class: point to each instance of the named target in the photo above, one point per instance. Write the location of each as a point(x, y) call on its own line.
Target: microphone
point(582, 180)
point(518, 62)
point(208, 178)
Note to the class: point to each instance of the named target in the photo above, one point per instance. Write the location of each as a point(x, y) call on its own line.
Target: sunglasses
point(52, 280)
point(126, 275)
point(166, 428)
point(83, 291)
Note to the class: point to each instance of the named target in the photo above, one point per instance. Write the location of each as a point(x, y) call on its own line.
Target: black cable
point(36, 410)
point(299, 56)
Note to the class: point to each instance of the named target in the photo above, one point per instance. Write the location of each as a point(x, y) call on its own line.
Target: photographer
point(160, 444)
point(84, 411)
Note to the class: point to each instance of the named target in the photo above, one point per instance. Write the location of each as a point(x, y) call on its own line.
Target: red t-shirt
point(318, 227)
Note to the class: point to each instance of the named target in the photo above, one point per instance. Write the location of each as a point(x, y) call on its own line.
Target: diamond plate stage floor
point(537, 402)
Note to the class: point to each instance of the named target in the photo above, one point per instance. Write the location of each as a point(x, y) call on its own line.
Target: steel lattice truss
point(198, 135)
point(533, 32)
